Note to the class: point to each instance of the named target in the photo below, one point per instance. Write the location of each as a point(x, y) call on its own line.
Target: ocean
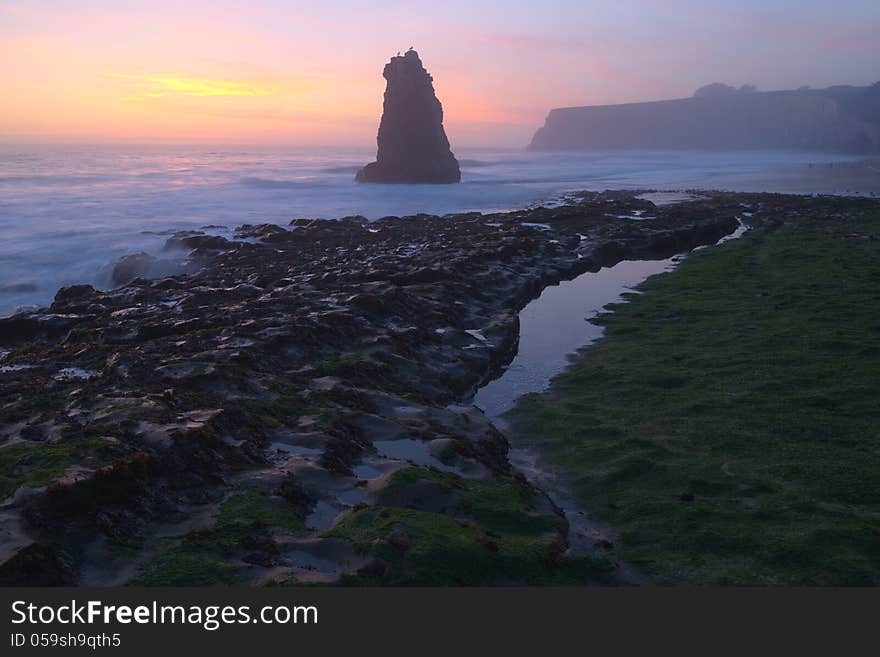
point(68, 212)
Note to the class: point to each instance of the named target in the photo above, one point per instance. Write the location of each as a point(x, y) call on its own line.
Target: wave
point(475, 164)
point(585, 179)
point(52, 179)
point(350, 168)
point(18, 288)
point(470, 164)
point(479, 164)
point(271, 183)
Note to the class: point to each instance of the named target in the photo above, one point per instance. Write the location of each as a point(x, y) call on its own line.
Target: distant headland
point(412, 144)
point(721, 117)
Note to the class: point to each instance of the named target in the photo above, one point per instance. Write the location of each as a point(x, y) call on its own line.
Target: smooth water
point(67, 212)
point(556, 325)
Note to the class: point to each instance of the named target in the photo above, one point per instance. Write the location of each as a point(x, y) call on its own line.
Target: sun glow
point(166, 85)
point(311, 73)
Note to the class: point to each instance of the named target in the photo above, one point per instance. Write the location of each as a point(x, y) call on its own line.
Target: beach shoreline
point(69, 212)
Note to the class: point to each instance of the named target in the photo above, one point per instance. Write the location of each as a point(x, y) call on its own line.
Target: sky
point(309, 73)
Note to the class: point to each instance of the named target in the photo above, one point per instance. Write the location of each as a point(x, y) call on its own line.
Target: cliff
point(412, 144)
point(835, 119)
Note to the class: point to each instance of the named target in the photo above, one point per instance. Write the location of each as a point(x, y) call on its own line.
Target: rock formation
point(413, 147)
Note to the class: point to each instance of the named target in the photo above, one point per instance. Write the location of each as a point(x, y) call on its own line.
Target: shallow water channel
point(555, 325)
point(553, 328)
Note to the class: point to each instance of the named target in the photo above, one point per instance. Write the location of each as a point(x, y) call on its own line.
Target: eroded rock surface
point(296, 409)
point(413, 147)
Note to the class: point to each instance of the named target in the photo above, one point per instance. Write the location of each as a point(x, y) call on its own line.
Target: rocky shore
point(294, 405)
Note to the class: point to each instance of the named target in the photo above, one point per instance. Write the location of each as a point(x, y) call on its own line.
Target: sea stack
point(413, 147)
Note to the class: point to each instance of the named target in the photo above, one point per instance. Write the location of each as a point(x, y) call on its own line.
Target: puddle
point(302, 559)
point(74, 374)
point(416, 451)
point(327, 513)
point(734, 235)
point(637, 215)
point(326, 556)
point(365, 471)
point(323, 516)
point(17, 367)
point(555, 325)
point(353, 496)
point(298, 450)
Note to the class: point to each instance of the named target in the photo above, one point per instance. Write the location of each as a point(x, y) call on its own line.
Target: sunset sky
point(309, 73)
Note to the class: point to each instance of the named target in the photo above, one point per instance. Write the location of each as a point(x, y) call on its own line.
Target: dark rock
point(264, 550)
point(264, 559)
point(400, 543)
point(167, 284)
point(355, 219)
point(297, 496)
point(54, 325)
point(419, 276)
point(39, 564)
point(377, 568)
point(488, 543)
point(339, 454)
point(280, 237)
point(74, 292)
point(260, 231)
point(131, 267)
point(413, 147)
point(186, 241)
point(19, 327)
point(143, 265)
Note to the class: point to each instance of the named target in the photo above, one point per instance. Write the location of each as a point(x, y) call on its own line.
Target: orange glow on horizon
point(160, 86)
point(165, 106)
point(309, 73)
point(110, 76)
